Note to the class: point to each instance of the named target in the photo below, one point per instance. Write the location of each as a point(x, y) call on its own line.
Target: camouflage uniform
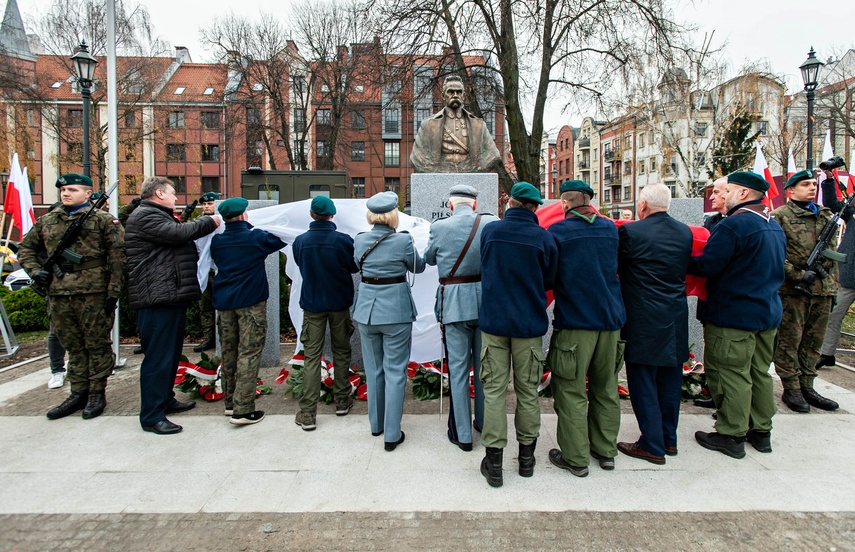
point(805, 318)
point(77, 300)
point(242, 334)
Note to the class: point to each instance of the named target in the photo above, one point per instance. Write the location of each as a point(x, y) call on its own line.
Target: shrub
point(26, 309)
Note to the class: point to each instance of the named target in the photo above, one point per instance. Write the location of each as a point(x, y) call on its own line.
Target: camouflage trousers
point(83, 328)
point(242, 335)
point(799, 338)
point(313, 336)
point(207, 313)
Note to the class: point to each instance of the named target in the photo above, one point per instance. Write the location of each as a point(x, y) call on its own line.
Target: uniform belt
point(71, 267)
point(460, 279)
point(384, 281)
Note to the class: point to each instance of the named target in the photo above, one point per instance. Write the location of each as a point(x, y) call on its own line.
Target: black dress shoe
point(704, 403)
point(391, 446)
point(205, 345)
point(72, 404)
point(163, 427)
point(138, 350)
point(178, 406)
point(465, 447)
point(825, 360)
point(794, 399)
point(95, 405)
point(760, 440)
point(815, 399)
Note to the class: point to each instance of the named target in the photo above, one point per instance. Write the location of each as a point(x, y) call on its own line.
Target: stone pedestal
point(691, 211)
point(429, 193)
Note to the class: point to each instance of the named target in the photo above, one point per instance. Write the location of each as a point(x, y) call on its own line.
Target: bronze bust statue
point(454, 140)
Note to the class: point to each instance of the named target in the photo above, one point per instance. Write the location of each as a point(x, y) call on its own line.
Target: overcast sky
point(781, 31)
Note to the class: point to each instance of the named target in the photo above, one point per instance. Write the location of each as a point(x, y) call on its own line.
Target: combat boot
point(209, 343)
point(795, 400)
point(815, 399)
point(95, 406)
point(527, 459)
point(491, 466)
point(825, 360)
point(760, 440)
point(72, 404)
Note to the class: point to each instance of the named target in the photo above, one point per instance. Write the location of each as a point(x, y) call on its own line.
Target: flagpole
point(113, 142)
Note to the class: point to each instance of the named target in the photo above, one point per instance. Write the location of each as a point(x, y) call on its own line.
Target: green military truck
point(288, 186)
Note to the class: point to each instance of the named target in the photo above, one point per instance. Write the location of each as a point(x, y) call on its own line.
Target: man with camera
point(846, 294)
point(805, 295)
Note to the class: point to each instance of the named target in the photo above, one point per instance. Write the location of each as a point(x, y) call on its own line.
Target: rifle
point(820, 250)
point(62, 251)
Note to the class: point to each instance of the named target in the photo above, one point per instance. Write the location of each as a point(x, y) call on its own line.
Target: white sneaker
point(56, 380)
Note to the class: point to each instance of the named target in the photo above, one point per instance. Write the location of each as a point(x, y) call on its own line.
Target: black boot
point(815, 399)
point(760, 440)
point(209, 343)
point(527, 459)
point(794, 399)
point(491, 467)
point(825, 360)
point(704, 402)
point(95, 406)
point(138, 350)
point(72, 404)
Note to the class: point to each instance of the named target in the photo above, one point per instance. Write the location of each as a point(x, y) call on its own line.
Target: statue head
point(452, 91)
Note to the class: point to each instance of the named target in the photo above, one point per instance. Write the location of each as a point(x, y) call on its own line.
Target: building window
point(131, 184)
point(607, 195)
point(175, 119)
point(130, 151)
point(253, 153)
point(616, 144)
point(175, 152)
point(210, 184)
point(358, 186)
point(358, 89)
point(321, 148)
point(300, 84)
point(324, 117)
point(180, 183)
point(391, 119)
point(75, 118)
point(422, 114)
point(130, 119)
point(253, 116)
point(641, 167)
point(627, 142)
point(490, 121)
point(357, 120)
point(210, 152)
point(672, 187)
point(299, 120)
point(423, 84)
point(31, 117)
point(640, 140)
point(210, 119)
point(762, 128)
point(208, 91)
point(357, 151)
point(392, 154)
point(392, 185)
point(652, 164)
point(673, 167)
point(627, 193)
point(700, 129)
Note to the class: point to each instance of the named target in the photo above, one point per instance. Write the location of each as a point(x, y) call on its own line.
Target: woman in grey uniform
point(384, 312)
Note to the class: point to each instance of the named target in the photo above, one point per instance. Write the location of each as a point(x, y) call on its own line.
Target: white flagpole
point(113, 141)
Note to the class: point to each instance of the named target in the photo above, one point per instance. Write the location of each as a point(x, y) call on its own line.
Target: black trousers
point(161, 336)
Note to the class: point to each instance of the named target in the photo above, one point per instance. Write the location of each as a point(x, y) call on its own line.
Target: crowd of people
point(619, 300)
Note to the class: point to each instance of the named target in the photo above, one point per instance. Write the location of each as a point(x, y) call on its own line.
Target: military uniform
point(207, 313)
point(81, 314)
point(804, 318)
point(458, 300)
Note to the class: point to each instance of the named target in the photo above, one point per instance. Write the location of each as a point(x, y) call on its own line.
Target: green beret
point(525, 192)
point(72, 179)
point(210, 196)
point(232, 207)
point(577, 186)
point(382, 202)
point(323, 206)
point(798, 177)
point(95, 196)
point(748, 180)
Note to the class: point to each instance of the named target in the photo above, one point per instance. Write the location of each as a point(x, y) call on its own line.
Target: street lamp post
point(810, 76)
point(4, 178)
point(84, 65)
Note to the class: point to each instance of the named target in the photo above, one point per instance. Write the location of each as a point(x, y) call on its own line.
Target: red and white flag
point(19, 202)
point(827, 153)
point(791, 164)
point(762, 168)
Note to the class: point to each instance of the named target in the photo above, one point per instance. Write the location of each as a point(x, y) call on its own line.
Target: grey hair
point(152, 184)
point(656, 195)
point(457, 200)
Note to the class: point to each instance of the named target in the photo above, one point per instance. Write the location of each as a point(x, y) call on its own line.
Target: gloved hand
point(42, 278)
point(110, 305)
point(136, 201)
point(189, 210)
point(808, 278)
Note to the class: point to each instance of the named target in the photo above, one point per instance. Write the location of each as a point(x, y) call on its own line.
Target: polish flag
point(762, 168)
point(791, 164)
point(19, 202)
point(827, 153)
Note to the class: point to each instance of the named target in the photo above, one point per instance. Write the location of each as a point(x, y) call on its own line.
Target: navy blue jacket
point(239, 254)
point(743, 262)
point(587, 291)
point(519, 260)
point(325, 258)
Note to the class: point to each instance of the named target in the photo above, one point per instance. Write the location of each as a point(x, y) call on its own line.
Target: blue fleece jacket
point(519, 260)
point(239, 254)
point(743, 262)
point(587, 289)
point(325, 258)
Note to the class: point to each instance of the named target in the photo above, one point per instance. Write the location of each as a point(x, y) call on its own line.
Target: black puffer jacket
point(162, 257)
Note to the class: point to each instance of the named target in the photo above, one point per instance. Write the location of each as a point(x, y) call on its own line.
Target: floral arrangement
point(294, 380)
point(694, 379)
point(431, 378)
point(203, 380)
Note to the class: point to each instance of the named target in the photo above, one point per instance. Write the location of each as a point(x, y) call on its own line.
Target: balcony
point(608, 155)
point(611, 179)
point(585, 143)
point(584, 165)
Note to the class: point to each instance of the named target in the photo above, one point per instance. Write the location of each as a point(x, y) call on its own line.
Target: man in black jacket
point(162, 280)
point(652, 260)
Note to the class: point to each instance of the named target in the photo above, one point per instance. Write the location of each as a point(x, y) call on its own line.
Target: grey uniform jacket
point(395, 256)
point(458, 302)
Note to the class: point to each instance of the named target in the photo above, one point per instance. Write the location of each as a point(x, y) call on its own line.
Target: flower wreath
point(203, 380)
